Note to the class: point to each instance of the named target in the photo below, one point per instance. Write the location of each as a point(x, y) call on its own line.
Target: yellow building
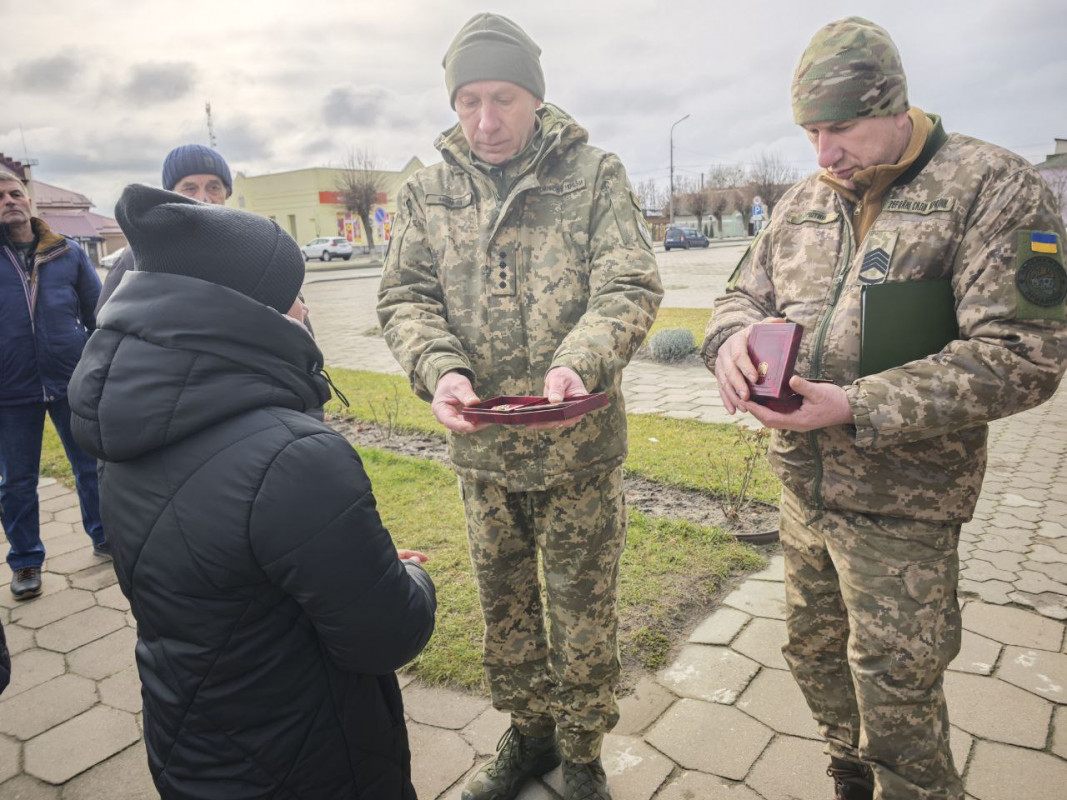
point(307, 203)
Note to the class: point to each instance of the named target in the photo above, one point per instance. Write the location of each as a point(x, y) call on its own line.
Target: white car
point(327, 247)
point(108, 261)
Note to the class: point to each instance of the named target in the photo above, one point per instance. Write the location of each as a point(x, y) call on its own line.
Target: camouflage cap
point(850, 69)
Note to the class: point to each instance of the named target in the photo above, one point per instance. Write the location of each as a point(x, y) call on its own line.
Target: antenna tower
point(210, 126)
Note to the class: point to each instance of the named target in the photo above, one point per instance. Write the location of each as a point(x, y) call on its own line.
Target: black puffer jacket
point(271, 607)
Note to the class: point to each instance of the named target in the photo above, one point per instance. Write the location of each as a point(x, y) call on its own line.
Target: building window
point(292, 225)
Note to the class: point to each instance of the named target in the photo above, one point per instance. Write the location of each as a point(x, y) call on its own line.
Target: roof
point(1057, 161)
point(45, 195)
point(104, 225)
point(76, 226)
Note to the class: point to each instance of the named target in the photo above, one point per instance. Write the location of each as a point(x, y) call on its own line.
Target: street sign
point(379, 215)
point(757, 211)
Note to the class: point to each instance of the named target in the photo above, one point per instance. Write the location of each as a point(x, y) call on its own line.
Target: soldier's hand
point(561, 384)
point(412, 555)
point(824, 406)
point(734, 370)
point(453, 393)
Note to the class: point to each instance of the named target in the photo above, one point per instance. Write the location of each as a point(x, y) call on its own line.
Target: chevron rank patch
point(879, 255)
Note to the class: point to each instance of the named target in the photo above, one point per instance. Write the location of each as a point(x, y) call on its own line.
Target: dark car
point(684, 238)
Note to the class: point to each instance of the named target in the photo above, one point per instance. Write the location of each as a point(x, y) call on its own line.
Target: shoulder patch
point(1040, 277)
point(919, 206)
point(815, 215)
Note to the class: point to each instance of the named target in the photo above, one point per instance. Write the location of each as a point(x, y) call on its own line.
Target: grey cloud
point(241, 141)
point(44, 74)
point(160, 82)
point(354, 106)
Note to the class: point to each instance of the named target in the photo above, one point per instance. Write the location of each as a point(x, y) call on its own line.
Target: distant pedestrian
point(271, 605)
point(48, 293)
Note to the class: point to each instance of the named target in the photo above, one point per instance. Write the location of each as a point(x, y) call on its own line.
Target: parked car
point(327, 247)
point(108, 261)
point(684, 238)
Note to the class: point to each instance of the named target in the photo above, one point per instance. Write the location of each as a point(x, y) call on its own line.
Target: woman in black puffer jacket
point(271, 604)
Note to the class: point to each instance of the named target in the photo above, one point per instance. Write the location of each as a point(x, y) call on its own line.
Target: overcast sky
point(99, 92)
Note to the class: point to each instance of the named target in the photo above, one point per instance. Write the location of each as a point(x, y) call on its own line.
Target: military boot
point(852, 781)
point(518, 758)
point(585, 781)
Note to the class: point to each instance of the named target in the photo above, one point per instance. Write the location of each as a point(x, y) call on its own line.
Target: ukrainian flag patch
point(1044, 242)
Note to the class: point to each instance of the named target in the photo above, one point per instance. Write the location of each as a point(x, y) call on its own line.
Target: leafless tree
point(696, 203)
point(652, 197)
point(360, 185)
point(721, 181)
point(1057, 182)
point(770, 177)
point(741, 202)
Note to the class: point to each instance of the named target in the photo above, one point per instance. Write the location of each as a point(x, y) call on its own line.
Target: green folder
point(905, 321)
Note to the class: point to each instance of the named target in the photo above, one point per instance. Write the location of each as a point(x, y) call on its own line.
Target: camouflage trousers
point(873, 623)
point(556, 663)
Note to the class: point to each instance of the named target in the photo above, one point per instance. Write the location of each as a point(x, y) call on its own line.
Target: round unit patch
point(1042, 281)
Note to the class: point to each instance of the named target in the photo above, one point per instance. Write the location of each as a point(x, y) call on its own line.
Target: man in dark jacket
point(48, 291)
point(271, 605)
point(192, 170)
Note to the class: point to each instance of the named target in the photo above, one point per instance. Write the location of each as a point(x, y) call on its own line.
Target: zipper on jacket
point(816, 355)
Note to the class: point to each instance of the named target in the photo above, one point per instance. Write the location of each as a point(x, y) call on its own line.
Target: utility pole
point(683, 119)
point(210, 127)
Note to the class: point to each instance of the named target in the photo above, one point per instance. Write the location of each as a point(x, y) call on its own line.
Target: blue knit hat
point(194, 159)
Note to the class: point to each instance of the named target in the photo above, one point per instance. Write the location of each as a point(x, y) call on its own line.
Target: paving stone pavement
point(724, 721)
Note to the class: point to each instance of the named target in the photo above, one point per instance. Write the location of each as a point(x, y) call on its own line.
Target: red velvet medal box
point(772, 347)
point(526, 410)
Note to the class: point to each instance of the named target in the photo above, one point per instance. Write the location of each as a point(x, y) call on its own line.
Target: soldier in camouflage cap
point(521, 265)
point(880, 468)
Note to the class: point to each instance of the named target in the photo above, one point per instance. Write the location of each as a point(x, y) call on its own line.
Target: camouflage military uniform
point(504, 273)
point(871, 512)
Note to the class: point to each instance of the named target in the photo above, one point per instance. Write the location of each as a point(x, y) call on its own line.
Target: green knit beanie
point(850, 70)
point(491, 47)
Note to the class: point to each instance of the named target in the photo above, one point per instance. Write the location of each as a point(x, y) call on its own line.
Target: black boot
point(585, 781)
point(518, 758)
point(26, 583)
point(852, 781)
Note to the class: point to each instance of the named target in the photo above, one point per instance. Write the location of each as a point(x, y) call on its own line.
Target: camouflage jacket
point(966, 211)
point(557, 273)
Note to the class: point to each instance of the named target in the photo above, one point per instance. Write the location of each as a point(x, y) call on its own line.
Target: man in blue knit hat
point(192, 170)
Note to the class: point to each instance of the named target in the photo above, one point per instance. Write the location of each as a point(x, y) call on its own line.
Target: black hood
point(173, 355)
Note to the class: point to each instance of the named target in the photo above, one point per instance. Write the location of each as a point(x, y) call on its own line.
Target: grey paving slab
point(720, 627)
point(76, 561)
point(98, 576)
point(23, 787)
point(977, 654)
point(124, 776)
point(122, 690)
point(1000, 772)
point(18, 638)
point(439, 758)
point(1013, 626)
point(9, 758)
point(960, 743)
point(106, 655)
point(69, 749)
point(483, 734)
point(762, 641)
point(758, 598)
point(75, 540)
point(696, 786)
point(32, 668)
point(774, 699)
point(70, 515)
point(112, 597)
point(1057, 572)
point(53, 530)
point(1038, 671)
point(1048, 604)
point(442, 708)
point(991, 709)
point(81, 628)
point(996, 592)
point(707, 672)
point(44, 706)
point(685, 731)
point(642, 707)
point(59, 501)
point(49, 608)
point(792, 769)
point(775, 571)
point(1059, 732)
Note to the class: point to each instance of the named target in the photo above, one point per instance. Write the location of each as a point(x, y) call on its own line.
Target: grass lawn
point(695, 319)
